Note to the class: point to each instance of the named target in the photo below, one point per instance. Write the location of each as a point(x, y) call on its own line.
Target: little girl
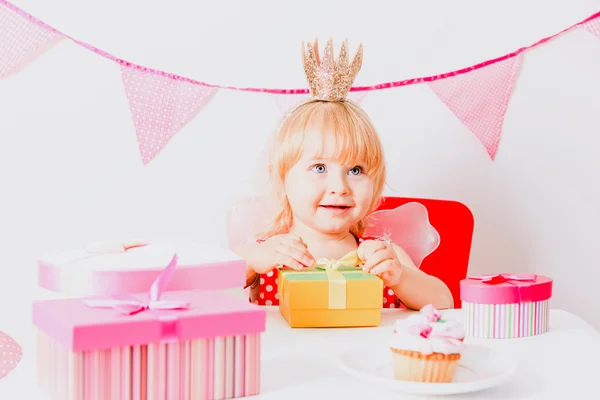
point(327, 170)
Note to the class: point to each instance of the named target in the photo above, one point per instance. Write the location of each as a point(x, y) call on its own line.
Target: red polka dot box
point(130, 266)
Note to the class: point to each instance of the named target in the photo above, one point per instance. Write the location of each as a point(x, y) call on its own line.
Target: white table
point(303, 363)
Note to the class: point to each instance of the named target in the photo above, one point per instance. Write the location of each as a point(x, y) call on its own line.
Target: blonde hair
point(357, 143)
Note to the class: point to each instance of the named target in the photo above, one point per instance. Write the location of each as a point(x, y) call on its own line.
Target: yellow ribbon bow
point(337, 282)
point(349, 260)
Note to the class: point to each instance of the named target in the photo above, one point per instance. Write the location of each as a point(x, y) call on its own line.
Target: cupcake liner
point(418, 367)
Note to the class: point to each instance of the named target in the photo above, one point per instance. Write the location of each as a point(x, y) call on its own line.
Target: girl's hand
point(380, 259)
point(288, 250)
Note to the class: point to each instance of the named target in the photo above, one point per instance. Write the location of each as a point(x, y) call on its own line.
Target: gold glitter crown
point(329, 80)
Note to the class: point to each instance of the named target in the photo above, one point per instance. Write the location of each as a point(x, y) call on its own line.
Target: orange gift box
point(321, 297)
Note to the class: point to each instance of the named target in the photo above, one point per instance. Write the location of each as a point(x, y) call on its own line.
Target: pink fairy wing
point(408, 226)
point(10, 354)
point(246, 219)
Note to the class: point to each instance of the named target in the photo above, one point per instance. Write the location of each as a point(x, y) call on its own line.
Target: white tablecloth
point(303, 363)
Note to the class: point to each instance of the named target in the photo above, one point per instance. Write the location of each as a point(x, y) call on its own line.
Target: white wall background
point(70, 169)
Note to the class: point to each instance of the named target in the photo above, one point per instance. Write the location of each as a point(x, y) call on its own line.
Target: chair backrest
point(451, 220)
point(454, 223)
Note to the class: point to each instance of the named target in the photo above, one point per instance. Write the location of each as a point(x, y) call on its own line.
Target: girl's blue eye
point(355, 171)
point(319, 168)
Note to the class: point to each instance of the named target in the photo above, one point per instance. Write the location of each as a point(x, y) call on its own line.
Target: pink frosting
point(422, 330)
point(427, 333)
point(431, 313)
point(428, 323)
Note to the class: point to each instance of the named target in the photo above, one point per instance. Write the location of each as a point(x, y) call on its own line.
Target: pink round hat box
point(505, 306)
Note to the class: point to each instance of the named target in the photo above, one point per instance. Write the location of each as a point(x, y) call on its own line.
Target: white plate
point(479, 368)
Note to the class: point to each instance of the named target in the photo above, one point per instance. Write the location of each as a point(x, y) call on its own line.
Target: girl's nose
point(337, 184)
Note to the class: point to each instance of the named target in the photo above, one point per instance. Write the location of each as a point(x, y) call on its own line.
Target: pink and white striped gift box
point(505, 306)
point(211, 350)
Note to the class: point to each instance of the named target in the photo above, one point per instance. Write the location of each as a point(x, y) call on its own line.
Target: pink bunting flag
point(286, 102)
point(10, 354)
point(21, 41)
point(479, 98)
point(593, 26)
point(161, 106)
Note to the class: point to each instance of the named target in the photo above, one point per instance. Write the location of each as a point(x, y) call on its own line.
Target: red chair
point(454, 223)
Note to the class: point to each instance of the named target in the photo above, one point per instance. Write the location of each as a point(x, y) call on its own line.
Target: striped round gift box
point(505, 321)
point(506, 306)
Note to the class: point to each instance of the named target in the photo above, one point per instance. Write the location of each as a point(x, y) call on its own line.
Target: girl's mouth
point(337, 209)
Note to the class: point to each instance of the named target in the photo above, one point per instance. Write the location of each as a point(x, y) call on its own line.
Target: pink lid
point(109, 268)
point(505, 288)
point(80, 327)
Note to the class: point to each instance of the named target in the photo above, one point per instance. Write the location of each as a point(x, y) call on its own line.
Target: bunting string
point(162, 103)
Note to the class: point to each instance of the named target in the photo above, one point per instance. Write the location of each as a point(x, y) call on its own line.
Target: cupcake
point(426, 348)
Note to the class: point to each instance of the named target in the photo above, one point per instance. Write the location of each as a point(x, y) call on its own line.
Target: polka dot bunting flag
point(593, 27)
point(21, 41)
point(161, 106)
point(480, 98)
point(10, 354)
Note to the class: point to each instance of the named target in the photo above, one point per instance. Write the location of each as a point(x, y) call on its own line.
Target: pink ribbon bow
point(131, 307)
point(502, 278)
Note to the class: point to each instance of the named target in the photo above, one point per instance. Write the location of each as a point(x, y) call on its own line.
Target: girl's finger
point(383, 268)
point(294, 242)
point(292, 237)
point(298, 253)
point(368, 248)
point(377, 258)
point(301, 247)
point(288, 261)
